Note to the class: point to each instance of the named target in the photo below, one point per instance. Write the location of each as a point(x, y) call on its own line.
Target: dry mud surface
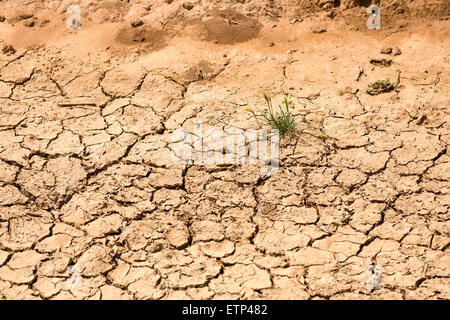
point(86, 129)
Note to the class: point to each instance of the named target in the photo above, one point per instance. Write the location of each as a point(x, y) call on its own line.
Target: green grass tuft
point(282, 119)
point(381, 86)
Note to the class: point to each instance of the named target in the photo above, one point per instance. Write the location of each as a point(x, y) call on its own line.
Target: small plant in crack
point(282, 119)
point(285, 121)
point(381, 86)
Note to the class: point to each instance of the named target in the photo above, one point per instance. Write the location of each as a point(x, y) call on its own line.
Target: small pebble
point(188, 5)
point(291, 51)
point(29, 23)
point(318, 29)
point(387, 50)
point(26, 16)
point(8, 50)
point(397, 51)
point(331, 14)
point(44, 22)
point(137, 23)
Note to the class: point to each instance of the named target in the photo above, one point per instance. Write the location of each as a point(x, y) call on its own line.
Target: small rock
point(8, 50)
point(169, 1)
point(29, 23)
point(291, 51)
point(381, 62)
point(331, 14)
point(271, 44)
point(397, 51)
point(156, 247)
point(2, 19)
point(188, 5)
point(137, 23)
point(387, 50)
point(25, 16)
point(318, 29)
point(44, 22)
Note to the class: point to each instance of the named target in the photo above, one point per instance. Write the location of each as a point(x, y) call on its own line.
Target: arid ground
point(89, 188)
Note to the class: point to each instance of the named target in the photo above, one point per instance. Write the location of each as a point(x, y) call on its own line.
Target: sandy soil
point(87, 180)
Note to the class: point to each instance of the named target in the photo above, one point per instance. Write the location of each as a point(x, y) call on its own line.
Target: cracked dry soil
point(87, 179)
